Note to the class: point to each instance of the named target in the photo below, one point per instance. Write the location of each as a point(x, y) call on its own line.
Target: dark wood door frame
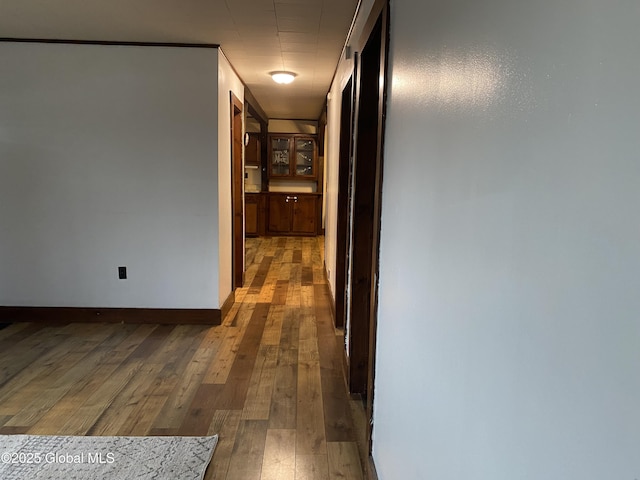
point(237, 204)
point(370, 112)
point(367, 161)
point(344, 181)
point(262, 120)
point(383, 25)
point(253, 107)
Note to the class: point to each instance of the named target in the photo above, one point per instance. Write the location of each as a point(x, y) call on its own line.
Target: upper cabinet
point(305, 155)
point(293, 156)
point(279, 156)
point(252, 149)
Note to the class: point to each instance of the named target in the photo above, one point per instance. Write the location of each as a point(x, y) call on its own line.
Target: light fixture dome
point(283, 77)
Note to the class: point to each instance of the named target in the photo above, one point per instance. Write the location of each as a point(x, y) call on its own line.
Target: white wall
point(228, 82)
point(108, 158)
point(293, 126)
point(508, 330)
point(332, 164)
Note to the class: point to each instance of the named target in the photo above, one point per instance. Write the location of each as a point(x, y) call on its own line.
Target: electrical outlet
point(122, 273)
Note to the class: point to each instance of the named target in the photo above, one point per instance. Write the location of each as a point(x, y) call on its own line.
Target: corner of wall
point(228, 81)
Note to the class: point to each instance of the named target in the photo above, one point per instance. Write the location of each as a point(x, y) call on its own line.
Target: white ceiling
point(257, 36)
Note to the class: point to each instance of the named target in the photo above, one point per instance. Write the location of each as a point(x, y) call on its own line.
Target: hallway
point(268, 380)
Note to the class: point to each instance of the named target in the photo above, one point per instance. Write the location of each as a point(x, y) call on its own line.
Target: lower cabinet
point(254, 214)
point(293, 214)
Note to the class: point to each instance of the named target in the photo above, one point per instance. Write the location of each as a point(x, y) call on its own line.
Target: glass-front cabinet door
point(280, 157)
point(293, 156)
point(305, 149)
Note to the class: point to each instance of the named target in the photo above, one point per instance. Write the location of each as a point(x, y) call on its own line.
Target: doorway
point(367, 175)
point(368, 141)
point(345, 169)
point(255, 128)
point(237, 205)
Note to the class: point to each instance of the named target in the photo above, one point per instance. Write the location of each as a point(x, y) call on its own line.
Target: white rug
point(35, 457)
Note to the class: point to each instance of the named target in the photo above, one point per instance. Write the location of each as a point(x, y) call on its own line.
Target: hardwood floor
point(268, 380)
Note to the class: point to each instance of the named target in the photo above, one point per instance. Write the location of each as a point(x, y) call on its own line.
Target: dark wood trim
point(343, 211)
point(264, 156)
point(310, 120)
point(379, 6)
point(347, 44)
point(370, 109)
point(319, 204)
point(321, 130)
point(366, 162)
point(383, 24)
point(370, 469)
point(320, 187)
point(171, 316)
point(254, 107)
point(237, 201)
point(108, 42)
point(228, 303)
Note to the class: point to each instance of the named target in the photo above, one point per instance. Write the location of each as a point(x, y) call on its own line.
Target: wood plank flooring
point(268, 380)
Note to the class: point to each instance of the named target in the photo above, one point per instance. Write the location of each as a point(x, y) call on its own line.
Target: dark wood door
point(304, 214)
point(345, 172)
point(368, 169)
point(237, 177)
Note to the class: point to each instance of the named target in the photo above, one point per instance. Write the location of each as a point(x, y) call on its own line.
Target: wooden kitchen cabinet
point(254, 214)
point(305, 155)
point(303, 218)
point(293, 214)
point(252, 149)
point(293, 156)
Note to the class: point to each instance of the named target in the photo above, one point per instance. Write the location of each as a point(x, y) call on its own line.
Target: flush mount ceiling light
point(283, 77)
